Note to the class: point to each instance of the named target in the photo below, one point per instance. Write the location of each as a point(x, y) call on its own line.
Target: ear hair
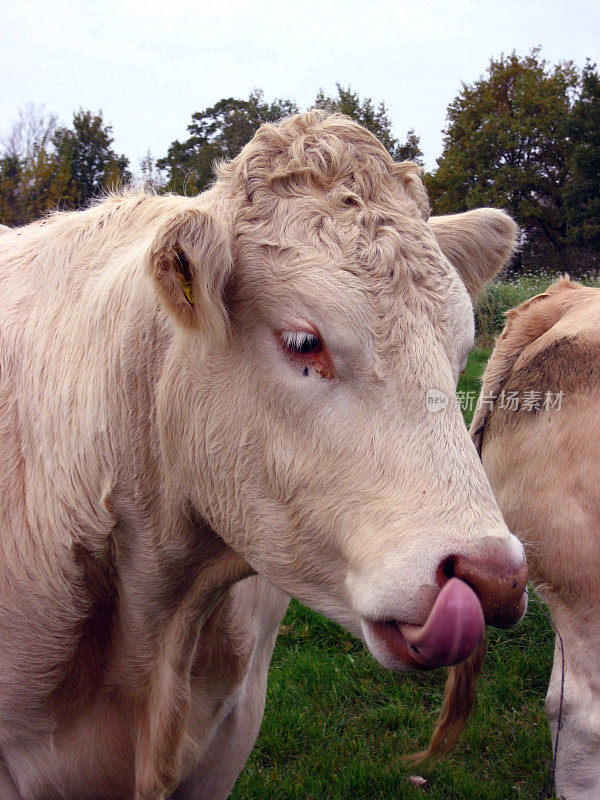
point(189, 261)
point(409, 174)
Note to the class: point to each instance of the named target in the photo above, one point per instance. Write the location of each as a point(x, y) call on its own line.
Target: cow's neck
point(183, 580)
point(171, 572)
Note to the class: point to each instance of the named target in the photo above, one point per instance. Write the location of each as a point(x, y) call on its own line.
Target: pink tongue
point(453, 628)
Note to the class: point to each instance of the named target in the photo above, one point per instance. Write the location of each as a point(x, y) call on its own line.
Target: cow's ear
point(190, 260)
point(478, 243)
point(409, 174)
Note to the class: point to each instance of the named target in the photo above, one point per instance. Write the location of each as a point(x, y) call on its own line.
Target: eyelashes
point(301, 343)
point(306, 350)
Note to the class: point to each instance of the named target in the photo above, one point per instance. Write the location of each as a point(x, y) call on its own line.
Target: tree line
point(524, 137)
point(45, 166)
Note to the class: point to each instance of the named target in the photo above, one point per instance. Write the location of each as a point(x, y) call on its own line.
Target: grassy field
point(336, 723)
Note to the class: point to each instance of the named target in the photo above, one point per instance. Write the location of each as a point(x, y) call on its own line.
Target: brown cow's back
point(548, 358)
point(543, 463)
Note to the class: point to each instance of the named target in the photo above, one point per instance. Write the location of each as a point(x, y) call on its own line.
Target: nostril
point(497, 583)
point(446, 570)
point(450, 567)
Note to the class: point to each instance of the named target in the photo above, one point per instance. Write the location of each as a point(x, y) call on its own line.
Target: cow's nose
point(498, 583)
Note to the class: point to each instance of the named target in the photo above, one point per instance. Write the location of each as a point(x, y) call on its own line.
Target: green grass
point(336, 723)
point(470, 381)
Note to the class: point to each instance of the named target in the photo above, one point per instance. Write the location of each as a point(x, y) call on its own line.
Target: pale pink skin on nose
point(453, 629)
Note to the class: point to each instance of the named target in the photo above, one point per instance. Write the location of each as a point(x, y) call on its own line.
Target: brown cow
point(539, 435)
point(206, 405)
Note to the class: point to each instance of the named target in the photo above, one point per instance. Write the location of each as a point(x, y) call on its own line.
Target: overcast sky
point(149, 64)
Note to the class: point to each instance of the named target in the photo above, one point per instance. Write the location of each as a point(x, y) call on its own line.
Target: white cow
point(206, 405)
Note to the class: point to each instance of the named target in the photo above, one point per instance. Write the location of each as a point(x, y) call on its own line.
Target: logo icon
point(436, 401)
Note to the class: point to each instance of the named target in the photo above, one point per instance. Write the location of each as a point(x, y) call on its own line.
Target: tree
point(45, 167)
point(583, 190)
point(373, 119)
point(11, 212)
point(27, 186)
point(86, 164)
point(218, 132)
point(507, 144)
point(410, 150)
point(151, 176)
point(221, 131)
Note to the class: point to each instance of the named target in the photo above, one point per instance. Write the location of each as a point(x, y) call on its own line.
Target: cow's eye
point(301, 342)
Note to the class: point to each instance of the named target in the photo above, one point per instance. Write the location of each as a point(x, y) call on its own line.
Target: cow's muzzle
point(499, 586)
point(473, 593)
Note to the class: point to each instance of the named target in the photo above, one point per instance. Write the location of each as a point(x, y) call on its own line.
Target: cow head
point(315, 309)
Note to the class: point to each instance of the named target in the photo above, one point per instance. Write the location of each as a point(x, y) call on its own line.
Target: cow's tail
point(460, 699)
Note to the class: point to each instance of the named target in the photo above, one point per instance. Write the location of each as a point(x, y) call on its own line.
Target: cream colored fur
point(543, 468)
point(157, 452)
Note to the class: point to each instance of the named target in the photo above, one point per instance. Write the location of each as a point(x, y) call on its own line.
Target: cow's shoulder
point(538, 436)
point(564, 362)
point(550, 346)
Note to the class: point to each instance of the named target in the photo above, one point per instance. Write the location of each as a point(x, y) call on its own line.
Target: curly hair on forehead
point(317, 151)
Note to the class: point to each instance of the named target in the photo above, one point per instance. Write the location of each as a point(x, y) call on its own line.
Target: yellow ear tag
point(187, 289)
point(184, 274)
